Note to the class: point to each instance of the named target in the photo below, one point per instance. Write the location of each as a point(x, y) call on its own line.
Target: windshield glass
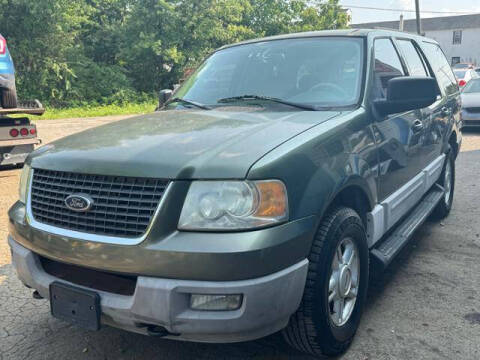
point(473, 86)
point(316, 71)
point(460, 74)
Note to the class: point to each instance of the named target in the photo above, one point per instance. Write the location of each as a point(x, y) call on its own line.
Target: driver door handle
point(417, 126)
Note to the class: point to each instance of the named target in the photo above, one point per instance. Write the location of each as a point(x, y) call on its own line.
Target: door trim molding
point(389, 211)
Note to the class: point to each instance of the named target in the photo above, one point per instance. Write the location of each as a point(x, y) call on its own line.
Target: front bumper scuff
point(268, 302)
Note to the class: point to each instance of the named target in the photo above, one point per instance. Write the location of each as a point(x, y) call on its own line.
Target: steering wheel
point(329, 86)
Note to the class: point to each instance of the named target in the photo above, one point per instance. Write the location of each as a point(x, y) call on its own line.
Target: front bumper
point(268, 302)
point(14, 152)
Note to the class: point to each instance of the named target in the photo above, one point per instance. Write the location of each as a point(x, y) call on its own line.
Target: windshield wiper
point(188, 102)
point(268, 98)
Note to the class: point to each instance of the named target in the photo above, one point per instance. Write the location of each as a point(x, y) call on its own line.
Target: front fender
point(323, 161)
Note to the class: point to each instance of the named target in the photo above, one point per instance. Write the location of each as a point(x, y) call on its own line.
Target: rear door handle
point(417, 126)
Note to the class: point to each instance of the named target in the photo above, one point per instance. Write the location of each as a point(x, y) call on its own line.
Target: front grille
point(473, 110)
point(122, 206)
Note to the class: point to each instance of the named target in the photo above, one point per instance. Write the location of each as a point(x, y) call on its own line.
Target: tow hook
point(158, 331)
point(36, 295)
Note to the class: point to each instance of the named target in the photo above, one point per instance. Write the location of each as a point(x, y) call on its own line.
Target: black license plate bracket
point(75, 305)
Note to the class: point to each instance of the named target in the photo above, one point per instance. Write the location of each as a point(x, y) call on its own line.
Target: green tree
point(71, 52)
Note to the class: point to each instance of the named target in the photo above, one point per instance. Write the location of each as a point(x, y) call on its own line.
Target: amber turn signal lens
point(272, 199)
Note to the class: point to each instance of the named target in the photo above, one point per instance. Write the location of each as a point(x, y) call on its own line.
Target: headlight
point(234, 205)
point(24, 183)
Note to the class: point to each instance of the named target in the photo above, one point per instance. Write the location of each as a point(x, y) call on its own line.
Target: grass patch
point(94, 111)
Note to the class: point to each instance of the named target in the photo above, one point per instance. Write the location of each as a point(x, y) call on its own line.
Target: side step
point(387, 249)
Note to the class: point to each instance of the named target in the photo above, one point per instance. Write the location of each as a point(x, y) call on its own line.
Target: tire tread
point(301, 332)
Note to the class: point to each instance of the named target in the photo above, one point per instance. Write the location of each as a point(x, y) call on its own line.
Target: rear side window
point(414, 62)
point(441, 67)
point(387, 66)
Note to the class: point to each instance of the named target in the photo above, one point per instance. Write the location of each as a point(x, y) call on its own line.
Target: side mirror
point(407, 93)
point(163, 97)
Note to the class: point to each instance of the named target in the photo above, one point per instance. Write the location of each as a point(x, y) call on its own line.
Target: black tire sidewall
point(348, 224)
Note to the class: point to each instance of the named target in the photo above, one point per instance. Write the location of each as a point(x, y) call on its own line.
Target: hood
point(178, 144)
point(470, 100)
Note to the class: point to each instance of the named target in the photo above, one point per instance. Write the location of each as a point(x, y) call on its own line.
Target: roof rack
point(30, 107)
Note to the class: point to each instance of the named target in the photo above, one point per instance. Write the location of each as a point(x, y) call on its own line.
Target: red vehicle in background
point(464, 76)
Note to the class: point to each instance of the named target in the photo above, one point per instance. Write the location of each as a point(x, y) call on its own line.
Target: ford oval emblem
point(79, 202)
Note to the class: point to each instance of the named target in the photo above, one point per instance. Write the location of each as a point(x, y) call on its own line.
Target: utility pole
point(419, 23)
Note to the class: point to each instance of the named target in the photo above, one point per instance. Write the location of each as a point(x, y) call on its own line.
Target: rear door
point(417, 66)
point(446, 109)
point(400, 138)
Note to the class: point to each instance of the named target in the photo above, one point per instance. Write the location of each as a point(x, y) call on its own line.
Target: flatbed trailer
point(18, 136)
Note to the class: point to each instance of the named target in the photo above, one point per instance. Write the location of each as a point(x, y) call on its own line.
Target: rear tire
point(316, 328)
point(9, 98)
point(447, 181)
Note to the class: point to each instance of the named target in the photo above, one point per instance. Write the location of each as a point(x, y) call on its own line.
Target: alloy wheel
point(344, 282)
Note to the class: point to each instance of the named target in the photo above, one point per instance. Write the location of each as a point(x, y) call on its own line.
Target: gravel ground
point(426, 307)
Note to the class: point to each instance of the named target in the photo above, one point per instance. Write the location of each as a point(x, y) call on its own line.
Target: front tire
point(9, 98)
point(337, 274)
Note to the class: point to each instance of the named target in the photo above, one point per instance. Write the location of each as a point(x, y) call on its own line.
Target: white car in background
point(471, 103)
point(464, 76)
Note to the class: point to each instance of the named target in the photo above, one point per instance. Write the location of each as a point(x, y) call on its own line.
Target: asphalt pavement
point(427, 306)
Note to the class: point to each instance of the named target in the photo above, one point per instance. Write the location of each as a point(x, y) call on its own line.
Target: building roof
point(428, 24)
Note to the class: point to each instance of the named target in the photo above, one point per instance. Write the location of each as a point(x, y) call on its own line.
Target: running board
point(387, 249)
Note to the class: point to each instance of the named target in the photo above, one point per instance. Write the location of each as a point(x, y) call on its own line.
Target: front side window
point(387, 66)
point(412, 57)
point(455, 60)
point(457, 37)
point(317, 71)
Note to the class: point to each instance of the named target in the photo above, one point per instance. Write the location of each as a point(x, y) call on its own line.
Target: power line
point(407, 10)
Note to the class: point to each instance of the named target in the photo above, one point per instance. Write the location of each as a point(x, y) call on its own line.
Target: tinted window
point(387, 66)
point(441, 67)
point(457, 37)
point(414, 62)
point(472, 86)
point(320, 71)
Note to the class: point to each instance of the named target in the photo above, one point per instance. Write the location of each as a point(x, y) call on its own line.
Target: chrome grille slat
point(122, 206)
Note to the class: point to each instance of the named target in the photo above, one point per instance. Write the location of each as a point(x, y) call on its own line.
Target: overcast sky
point(362, 15)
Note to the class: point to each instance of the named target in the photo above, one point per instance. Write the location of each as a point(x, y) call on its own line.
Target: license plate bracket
point(75, 305)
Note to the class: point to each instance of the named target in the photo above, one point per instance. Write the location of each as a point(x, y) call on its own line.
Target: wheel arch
point(354, 194)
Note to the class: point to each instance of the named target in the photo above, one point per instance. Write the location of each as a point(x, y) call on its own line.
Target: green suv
point(256, 199)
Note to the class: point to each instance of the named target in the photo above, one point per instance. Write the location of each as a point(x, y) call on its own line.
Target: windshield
point(473, 86)
point(460, 74)
point(315, 71)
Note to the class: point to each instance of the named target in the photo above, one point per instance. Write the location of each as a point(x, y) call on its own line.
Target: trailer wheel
point(9, 98)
